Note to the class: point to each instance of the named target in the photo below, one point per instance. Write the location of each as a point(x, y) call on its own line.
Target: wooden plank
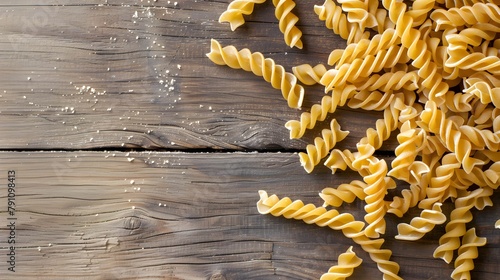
point(122, 50)
point(95, 215)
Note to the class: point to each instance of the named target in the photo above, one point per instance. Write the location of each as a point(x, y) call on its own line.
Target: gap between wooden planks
point(98, 215)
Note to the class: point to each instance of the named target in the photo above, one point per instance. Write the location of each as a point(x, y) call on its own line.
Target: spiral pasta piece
point(322, 146)
point(319, 112)
point(260, 66)
point(409, 198)
point(439, 186)
point(372, 101)
point(377, 184)
point(357, 12)
point(390, 81)
point(381, 257)
point(235, 11)
point(287, 21)
point(466, 15)
point(309, 75)
point(337, 21)
point(364, 47)
point(460, 57)
point(419, 11)
point(488, 178)
point(347, 262)
point(419, 226)
point(343, 193)
point(405, 166)
point(384, 127)
point(486, 77)
point(485, 92)
point(345, 222)
point(309, 213)
point(361, 68)
point(467, 252)
point(455, 228)
point(482, 138)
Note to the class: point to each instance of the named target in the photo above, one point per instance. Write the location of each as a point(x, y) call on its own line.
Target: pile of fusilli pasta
point(433, 69)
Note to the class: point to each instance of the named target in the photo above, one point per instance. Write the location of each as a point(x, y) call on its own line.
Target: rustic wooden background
point(138, 158)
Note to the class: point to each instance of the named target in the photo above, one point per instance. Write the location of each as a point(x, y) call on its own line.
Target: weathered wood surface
point(190, 216)
point(75, 217)
point(124, 48)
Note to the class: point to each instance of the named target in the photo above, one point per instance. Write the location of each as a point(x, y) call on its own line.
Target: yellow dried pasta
point(322, 146)
point(419, 226)
point(287, 22)
point(347, 262)
point(433, 70)
point(235, 11)
point(466, 254)
point(322, 217)
point(260, 66)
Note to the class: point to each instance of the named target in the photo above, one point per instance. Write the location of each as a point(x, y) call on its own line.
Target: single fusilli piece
point(455, 228)
point(439, 185)
point(464, 262)
point(385, 126)
point(358, 12)
point(419, 226)
point(481, 138)
point(318, 112)
point(337, 21)
point(343, 193)
point(361, 68)
point(377, 184)
point(409, 198)
point(485, 92)
point(381, 257)
point(322, 146)
point(364, 48)
point(287, 21)
point(235, 11)
point(460, 57)
point(412, 140)
point(482, 178)
point(466, 15)
point(260, 66)
point(332, 218)
point(307, 74)
point(309, 213)
point(371, 101)
point(419, 11)
point(347, 262)
point(390, 81)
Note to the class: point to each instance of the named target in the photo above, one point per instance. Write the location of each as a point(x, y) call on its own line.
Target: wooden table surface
point(138, 158)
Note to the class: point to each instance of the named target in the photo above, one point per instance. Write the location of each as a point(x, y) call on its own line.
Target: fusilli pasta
point(347, 262)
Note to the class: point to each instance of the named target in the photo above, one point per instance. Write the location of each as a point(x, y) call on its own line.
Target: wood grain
point(98, 215)
point(106, 80)
point(122, 50)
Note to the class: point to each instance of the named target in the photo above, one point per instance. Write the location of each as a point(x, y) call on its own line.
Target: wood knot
point(217, 276)
point(132, 223)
